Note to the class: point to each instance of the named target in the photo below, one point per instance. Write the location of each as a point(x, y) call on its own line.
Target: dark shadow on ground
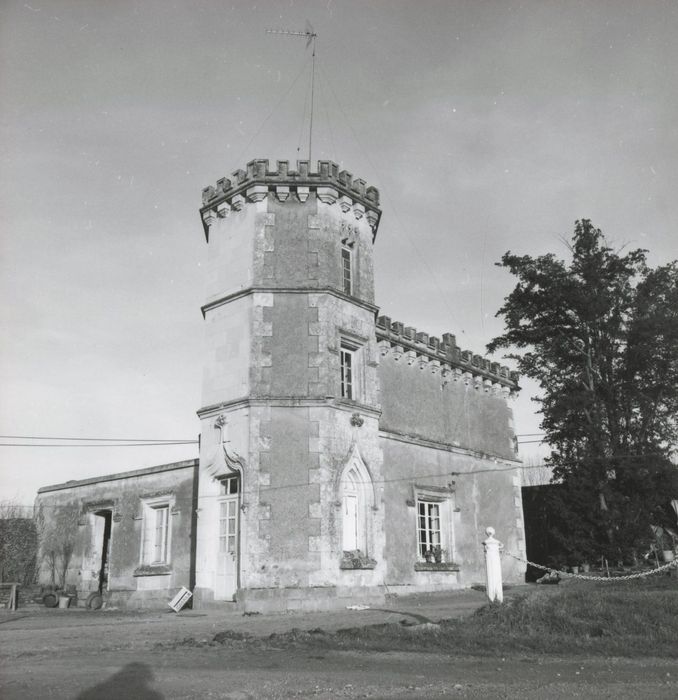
point(419, 618)
point(131, 681)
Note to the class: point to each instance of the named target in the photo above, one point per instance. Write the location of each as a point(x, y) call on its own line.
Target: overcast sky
point(486, 125)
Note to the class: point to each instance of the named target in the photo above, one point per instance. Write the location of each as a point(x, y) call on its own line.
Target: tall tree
point(600, 336)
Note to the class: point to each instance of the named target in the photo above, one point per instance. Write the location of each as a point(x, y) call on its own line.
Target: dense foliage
point(600, 336)
point(18, 549)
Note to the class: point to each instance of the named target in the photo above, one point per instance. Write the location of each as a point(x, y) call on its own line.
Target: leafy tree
point(58, 534)
point(18, 543)
point(600, 336)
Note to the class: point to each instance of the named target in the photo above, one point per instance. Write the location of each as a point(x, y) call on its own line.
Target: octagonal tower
point(289, 509)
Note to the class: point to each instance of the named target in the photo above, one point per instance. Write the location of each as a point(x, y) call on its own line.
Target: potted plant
point(428, 556)
point(438, 554)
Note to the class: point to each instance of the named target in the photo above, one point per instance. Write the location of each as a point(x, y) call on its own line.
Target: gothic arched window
point(356, 502)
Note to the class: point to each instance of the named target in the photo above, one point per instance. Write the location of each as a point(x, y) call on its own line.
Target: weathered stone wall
point(416, 400)
point(481, 493)
point(421, 408)
point(69, 509)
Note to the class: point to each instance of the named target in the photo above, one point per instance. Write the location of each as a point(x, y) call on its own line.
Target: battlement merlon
point(329, 183)
point(444, 355)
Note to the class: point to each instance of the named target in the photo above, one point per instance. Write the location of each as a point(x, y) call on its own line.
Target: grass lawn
point(635, 618)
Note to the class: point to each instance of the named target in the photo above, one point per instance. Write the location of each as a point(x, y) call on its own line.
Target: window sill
point(153, 570)
point(356, 560)
point(435, 566)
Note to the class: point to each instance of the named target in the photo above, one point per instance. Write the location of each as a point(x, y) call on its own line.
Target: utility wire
point(411, 478)
point(119, 444)
point(391, 204)
point(84, 439)
point(272, 112)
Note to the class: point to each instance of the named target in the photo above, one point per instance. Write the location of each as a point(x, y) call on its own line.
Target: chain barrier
point(569, 574)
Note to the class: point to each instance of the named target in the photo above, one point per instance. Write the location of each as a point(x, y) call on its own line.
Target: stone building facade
point(343, 455)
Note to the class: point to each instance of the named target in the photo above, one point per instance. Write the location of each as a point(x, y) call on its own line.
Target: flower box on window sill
point(436, 566)
point(153, 570)
point(357, 560)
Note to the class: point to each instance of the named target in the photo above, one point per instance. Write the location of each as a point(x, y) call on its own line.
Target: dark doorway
point(104, 526)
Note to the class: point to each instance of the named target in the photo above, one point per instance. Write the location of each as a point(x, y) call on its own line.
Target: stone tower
point(289, 508)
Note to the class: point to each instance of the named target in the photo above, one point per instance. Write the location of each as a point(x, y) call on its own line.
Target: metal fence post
point(493, 566)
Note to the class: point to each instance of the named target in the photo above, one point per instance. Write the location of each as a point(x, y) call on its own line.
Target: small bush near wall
point(18, 550)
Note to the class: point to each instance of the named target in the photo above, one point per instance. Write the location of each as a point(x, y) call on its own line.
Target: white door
point(227, 557)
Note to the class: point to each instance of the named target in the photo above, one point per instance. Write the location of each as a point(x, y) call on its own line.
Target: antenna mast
point(311, 36)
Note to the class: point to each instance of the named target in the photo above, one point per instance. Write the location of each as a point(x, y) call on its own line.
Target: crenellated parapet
point(442, 355)
point(327, 183)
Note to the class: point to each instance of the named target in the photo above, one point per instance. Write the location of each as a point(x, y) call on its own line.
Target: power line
point(87, 439)
point(400, 225)
point(411, 478)
point(119, 444)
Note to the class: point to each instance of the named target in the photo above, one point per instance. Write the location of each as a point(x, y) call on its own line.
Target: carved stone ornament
point(225, 460)
point(357, 420)
point(348, 233)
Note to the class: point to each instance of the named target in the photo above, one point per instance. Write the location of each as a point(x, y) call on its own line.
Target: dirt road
point(85, 655)
point(270, 673)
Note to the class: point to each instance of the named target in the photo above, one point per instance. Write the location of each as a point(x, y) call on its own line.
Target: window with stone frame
point(350, 370)
point(353, 504)
point(155, 549)
point(347, 265)
point(356, 498)
point(428, 527)
point(434, 510)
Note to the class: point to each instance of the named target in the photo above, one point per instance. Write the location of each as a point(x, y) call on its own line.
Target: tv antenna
point(311, 36)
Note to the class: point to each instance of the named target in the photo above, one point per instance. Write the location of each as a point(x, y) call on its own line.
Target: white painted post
point(493, 566)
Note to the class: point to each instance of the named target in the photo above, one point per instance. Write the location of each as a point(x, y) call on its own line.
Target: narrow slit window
point(347, 371)
point(347, 269)
point(160, 535)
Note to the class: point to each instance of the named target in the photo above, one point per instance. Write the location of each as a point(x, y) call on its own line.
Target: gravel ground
point(113, 654)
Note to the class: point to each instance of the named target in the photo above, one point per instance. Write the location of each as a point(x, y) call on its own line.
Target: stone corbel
point(487, 384)
point(237, 202)
point(223, 210)
point(345, 203)
point(397, 352)
point(372, 218)
point(208, 217)
point(477, 382)
point(434, 366)
point(328, 195)
point(303, 193)
point(257, 193)
point(282, 193)
point(456, 374)
point(411, 357)
point(423, 362)
point(358, 210)
point(468, 378)
point(384, 347)
point(445, 373)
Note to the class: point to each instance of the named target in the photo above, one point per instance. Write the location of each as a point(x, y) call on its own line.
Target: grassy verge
point(624, 619)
